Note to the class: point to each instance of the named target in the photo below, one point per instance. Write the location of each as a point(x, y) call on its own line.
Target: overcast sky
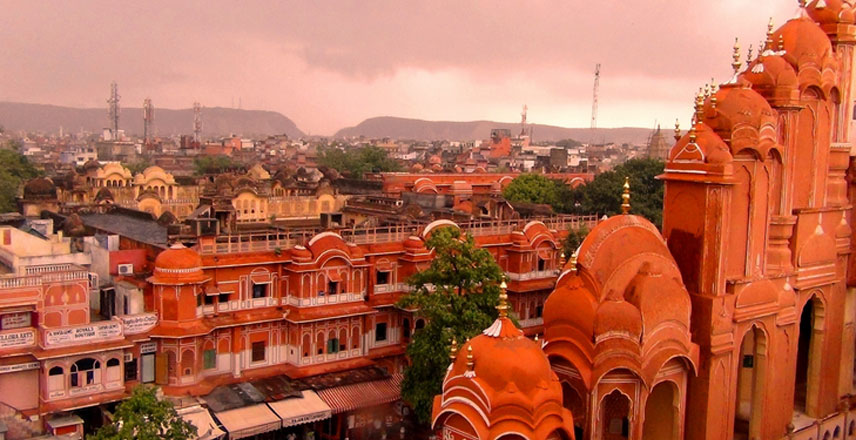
point(331, 64)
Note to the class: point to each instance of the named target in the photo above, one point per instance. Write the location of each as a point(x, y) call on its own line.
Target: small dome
point(177, 265)
point(40, 188)
point(708, 148)
point(104, 194)
point(618, 318)
point(737, 105)
point(804, 42)
point(414, 244)
point(830, 11)
point(570, 303)
point(770, 72)
point(300, 253)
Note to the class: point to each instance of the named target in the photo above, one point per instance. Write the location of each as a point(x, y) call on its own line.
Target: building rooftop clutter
point(126, 223)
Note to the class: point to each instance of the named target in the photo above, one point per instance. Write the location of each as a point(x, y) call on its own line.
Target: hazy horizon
point(330, 66)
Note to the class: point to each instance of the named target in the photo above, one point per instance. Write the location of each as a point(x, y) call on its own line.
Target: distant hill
point(216, 121)
point(403, 128)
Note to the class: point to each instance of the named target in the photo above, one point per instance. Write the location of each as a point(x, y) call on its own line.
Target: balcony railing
point(269, 241)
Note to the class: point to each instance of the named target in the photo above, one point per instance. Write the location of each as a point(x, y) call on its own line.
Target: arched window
point(86, 371)
point(113, 370)
point(56, 379)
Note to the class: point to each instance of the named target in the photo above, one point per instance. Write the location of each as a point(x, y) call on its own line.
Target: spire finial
point(693, 134)
point(781, 42)
point(749, 54)
point(574, 262)
point(625, 196)
point(453, 352)
point(706, 91)
point(677, 129)
point(562, 259)
point(470, 362)
point(736, 56)
point(503, 301)
point(770, 34)
point(713, 91)
point(699, 106)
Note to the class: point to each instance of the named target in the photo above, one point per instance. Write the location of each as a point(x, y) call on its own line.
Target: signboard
point(78, 335)
point(142, 323)
point(148, 347)
point(17, 339)
point(15, 320)
point(19, 367)
point(305, 418)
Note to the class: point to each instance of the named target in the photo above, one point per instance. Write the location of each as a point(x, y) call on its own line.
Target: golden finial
point(677, 129)
point(562, 260)
point(781, 42)
point(706, 91)
point(699, 106)
point(625, 196)
point(693, 134)
point(536, 338)
point(736, 56)
point(749, 54)
point(503, 301)
point(470, 362)
point(574, 262)
point(453, 352)
point(770, 34)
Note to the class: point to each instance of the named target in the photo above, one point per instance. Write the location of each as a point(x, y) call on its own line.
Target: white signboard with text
point(83, 334)
point(135, 324)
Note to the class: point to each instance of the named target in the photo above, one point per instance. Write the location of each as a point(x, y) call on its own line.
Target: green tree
point(573, 240)
point(355, 163)
point(603, 194)
point(137, 166)
point(457, 295)
point(16, 170)
point(533, 188)
point(143, 416)
point(214, 164)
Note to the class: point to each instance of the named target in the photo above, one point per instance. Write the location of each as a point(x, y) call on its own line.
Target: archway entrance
point(573, 401)
point(808, 357)
point(615, 416)
point(750, 376)
point(662, 413)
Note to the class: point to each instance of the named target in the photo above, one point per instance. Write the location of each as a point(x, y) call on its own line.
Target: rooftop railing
point(285, 239)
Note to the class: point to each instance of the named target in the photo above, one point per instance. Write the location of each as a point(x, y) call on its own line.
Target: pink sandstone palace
point(736, 321)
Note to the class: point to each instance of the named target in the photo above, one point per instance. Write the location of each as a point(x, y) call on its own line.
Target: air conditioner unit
point(126, 269)
point(129, 357)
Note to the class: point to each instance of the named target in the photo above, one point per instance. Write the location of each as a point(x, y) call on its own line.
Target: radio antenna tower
point(148, 120)
point(594, 99)
point(113, 110)
point(197, 122)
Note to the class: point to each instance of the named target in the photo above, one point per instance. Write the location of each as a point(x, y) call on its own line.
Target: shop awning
point(362, 395)
point(249, 421)
point(299, 410)
point(206, 428)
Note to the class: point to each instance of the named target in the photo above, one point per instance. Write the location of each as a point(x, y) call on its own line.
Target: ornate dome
point(507, 378)
point(804, 42)
point(737, 105)
point(707, 147)
point(40, 188)
point(104, 194)
point(769, 73)
point(177, 265)
point(830, 11)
